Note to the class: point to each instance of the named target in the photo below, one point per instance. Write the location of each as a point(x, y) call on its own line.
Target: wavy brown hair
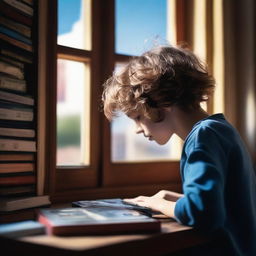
point(162, 77)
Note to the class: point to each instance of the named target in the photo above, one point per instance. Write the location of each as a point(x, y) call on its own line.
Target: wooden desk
point(172, 238)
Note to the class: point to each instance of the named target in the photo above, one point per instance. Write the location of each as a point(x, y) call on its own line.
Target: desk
point(172, 238)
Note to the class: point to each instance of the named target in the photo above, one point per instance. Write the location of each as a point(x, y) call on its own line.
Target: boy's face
point(160, 132)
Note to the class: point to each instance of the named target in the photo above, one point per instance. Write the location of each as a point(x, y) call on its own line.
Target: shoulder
point(212, 132)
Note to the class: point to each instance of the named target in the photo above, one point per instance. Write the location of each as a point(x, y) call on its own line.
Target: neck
point(185, 120)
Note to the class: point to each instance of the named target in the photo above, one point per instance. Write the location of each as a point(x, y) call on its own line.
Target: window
point(89, 156)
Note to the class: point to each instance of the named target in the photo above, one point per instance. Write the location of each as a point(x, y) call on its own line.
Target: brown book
point(16, 43)
point(96, 221)
point(6, 168)
point(17, 157)
point(14, 14)
point(17, 180)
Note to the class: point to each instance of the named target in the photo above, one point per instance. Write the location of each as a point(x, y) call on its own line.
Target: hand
point(154, 203)
point(168, 195)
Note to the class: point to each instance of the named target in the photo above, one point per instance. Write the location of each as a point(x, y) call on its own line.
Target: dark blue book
point(22, 228)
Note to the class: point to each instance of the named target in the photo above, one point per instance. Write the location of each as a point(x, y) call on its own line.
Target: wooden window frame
point(101, 177)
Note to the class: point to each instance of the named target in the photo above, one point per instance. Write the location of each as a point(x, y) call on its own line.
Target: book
point(20, 57)
point(16, 42)
point(17, 180)
point(17, 191)
point(20, 28)
point(22, 228)
point(6, 168)
point(18, 203)
point(17, 98)
point(17, 145)
point(13, 84)
point(17, 114)
point(24, 8)
point(113, 203)
point(15, 132)
point(12, 13)
point(15, 35)
point(12, 61)
point(11, 70)
point(96, 221)
point(17, 157)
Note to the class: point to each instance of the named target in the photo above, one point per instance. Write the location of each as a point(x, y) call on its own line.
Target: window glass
point(72, 113)
point(139, 25)
point(74, 28)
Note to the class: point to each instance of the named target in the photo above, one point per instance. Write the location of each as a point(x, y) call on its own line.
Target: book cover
point(113, 203)
point(13, 84)
point(12, 13)
point(18, 203)
point(16, 98)
point(17, 145)
point(96, 220)
point(22, 228)
point(12, 70)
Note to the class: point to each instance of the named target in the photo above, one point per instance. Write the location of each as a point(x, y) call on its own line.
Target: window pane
point(72, 113)
point(140, 25)
point(128, 146)
point(74, 26)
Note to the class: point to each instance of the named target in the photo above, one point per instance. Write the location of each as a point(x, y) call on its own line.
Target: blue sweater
point(219, 184)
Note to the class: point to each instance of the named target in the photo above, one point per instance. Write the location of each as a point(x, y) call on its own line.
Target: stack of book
point(18, 90)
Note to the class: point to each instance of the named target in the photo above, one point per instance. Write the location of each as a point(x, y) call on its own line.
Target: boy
point(162, 91)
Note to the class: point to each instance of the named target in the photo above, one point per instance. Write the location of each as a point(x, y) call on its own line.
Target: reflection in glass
point(139, 25)
point(128, 146)
point(74, 27)
point(72, 110)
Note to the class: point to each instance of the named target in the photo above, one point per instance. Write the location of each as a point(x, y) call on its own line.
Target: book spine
point(22, 29)
point(15, 35)
point(19, 57)
point(13, 84)
point(16, 114)
point(17, 180)
point(16, 167)
point(11, 12)
point(17, 157)
point(17, 190)
point(11, 70)
point(16, 42)
point(16, 98)
point(14, 132)
point(12, 61)
point(20, 6)
point(17, 145)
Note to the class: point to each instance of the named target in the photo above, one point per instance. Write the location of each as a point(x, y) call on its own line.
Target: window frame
point(101, 177)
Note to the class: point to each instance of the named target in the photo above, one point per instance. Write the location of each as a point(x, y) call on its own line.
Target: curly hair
point(162, 77)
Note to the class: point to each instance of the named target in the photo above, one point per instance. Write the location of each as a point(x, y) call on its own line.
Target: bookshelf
point(19, 104)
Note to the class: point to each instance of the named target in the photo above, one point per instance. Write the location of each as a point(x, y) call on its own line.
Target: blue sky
point(139, 23)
